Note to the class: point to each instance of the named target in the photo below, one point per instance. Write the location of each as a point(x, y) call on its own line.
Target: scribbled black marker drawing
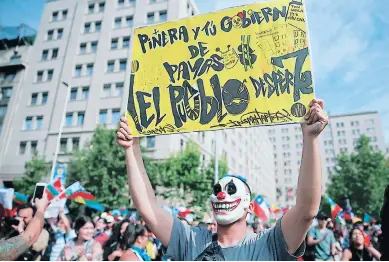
point(230, 57)
point(298, 110)
point(235, 96)
point(246, 53)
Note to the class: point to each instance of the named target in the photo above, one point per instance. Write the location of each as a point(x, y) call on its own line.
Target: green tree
point(361, 177)
point(100, 168)
point(36, 170)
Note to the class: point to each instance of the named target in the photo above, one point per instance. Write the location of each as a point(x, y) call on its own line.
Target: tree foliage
point(361, 177)
point(36, 170)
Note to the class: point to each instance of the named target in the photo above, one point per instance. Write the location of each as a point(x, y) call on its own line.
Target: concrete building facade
point(87, 45)
point(340, 136)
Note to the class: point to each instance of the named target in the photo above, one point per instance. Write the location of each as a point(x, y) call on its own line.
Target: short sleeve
point(278, 247)
point(186, 242)
point(311, 232)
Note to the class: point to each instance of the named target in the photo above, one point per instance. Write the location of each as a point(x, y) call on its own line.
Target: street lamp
point(60, 131)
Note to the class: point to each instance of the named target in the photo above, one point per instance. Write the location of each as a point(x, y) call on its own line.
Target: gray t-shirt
point(187, 243)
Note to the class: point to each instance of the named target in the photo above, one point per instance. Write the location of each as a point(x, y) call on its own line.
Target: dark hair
point(82, 221)
point(385, 226)
point(26, 206)
point(140, 230)
point(350, 236)
point(129, 236)
point(203, 225)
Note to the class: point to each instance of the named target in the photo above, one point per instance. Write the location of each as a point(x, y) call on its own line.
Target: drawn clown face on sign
point(230, 200)
point(237, 20)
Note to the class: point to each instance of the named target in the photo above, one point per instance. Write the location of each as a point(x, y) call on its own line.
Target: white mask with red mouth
point(230, 200)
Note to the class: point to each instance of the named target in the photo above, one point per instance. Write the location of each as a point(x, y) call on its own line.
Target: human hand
point(67, 251)
point(80, 251)
point(20, 226)
point(123, 135)
point(41, 203)
point(315, 120)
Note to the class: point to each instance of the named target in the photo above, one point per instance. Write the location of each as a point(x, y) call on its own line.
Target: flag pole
point(216, 159)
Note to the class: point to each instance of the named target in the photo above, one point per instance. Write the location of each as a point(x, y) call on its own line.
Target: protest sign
point(239, 67)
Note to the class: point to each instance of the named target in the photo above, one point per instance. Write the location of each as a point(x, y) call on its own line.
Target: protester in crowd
point(61, 234)
point(258, 227)
point(25, 214)
point(283, 242)
point(13, 248)
point(338, 245)
point(122, 239)
point(384, 239)
point(104, 237)
point(212, 226)
point(330, 224)
point(202, 225)
point(153, 244)
point(137, 252)
point(101, 226)
point(322, 239)
point(358, 251)
point(83, 247)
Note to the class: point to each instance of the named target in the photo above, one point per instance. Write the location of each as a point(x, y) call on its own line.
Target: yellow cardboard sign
point(240, 67)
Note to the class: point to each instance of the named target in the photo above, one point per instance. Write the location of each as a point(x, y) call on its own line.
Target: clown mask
point(230, 200)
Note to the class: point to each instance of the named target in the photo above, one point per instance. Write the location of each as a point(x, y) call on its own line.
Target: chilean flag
point(261, 209)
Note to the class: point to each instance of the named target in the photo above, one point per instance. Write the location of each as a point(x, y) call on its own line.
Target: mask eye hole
point(216, 189)
point(231, 188)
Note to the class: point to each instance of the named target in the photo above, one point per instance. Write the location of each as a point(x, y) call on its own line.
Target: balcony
point(13, 64)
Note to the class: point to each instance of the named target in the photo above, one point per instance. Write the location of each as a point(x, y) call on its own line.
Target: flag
point(356, 219)
point(20, 198)
point(60, 171)
point(340, 222)
point(348, 214)
point(261, 210)
point(78, 193)
point(368, 218)
point(6, 198)
point(183, 212)
point(54, 190)
point(275, 208)
point(335, 208)
point(75, 188)
point(92, 203)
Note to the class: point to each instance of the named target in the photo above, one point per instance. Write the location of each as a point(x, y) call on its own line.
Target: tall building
point(340, 136)
point(86, 45)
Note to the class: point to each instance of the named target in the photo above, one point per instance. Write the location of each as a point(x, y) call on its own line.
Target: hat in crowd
point(109, 219)
point(321, 216)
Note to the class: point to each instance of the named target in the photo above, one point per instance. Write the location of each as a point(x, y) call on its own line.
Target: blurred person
point(212, 226)
point(258, 227)
point(25, 214)
point(62, 233)
point(322, 239)
point(202, 225)
point(103, 237)
point(384, 237)
point(231, 203)
point(250, 228)
point(13, 248)
point(153, 244)
point(137, 252)
point(122, 238)
point(83, 247)
point(101, 226)
point(338, 246)
point(330, 224)
point(358, 251)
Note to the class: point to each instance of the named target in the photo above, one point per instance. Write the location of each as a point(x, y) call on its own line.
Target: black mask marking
point(216, 189)
point(231, 188)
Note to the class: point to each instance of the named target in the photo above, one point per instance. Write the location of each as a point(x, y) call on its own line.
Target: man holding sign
point(231, 203)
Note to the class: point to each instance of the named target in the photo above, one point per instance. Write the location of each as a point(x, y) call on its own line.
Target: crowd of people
point(157, 235)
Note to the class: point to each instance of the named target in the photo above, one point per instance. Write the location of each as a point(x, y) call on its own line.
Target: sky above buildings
point(349, 41)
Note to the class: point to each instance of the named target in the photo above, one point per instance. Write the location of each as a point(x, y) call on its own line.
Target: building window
point(63, 145)
point(101, 7)
point(87, 28)
point(28, 123)
point(15, 58)
point(39, 122)
point(163, 16)
point(83, 48)
point(97, 26)
point(118, 22)
point(151, 142)
point(132, 2)
point(119, 88)
point(126, 42)
point(54, 54)
point(75, 143)
point(103, 116)
point(34, 99)
point(59, 33)
point(129, 20)
point(110, 66)
point(39, 76)
point(50, 74)
point(120, 3)
point(89, 69)
point(153, 1)
point(80, 118)
point(77, 72)
point(150, 18)
point(91, 8)
point(22, 147)
point(85, 93)
point(69, 119)
point(55, 16)
point(93, 47)
point(123, 65)
point(115, 116)
point(106, 90)
point(64, 14)
point(50, 35)
point(6, 92)
point(73, 94)
point(44, 97)
point(114, 43)
point(34, 145)
point(45, 55)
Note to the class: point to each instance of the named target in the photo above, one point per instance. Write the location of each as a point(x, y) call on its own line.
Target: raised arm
point(160, 222)
point(12, 248)
point(65, 220)
point(296, 221)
